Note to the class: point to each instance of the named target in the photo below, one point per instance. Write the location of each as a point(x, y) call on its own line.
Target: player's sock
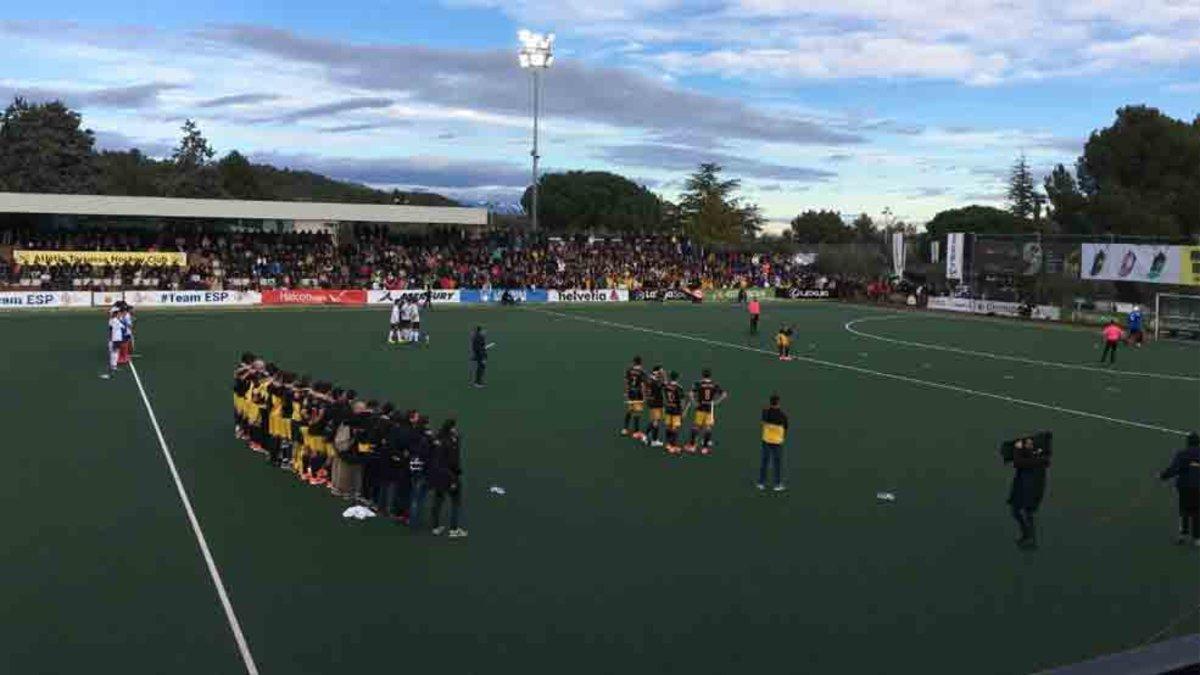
point(625, 425)
point(637, 423)
point(708, 438)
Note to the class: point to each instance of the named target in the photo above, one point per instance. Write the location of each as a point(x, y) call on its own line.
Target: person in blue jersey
point(1134, 326)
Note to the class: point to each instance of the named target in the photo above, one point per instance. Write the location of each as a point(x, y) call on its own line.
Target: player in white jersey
point(394, 323)
point(116, 335)
point(414, 318)
point(127, 321)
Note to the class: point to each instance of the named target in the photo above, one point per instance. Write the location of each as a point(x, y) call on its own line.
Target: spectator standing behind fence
point(1185, 469)
point(445, 478)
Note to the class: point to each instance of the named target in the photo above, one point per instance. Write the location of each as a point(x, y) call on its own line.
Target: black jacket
point(445, 462)
point(400, 438)
point(1185, 469)
point(478, 347)
point(1029, 481)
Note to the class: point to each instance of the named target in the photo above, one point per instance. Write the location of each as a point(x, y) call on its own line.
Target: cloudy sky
point(856, 105)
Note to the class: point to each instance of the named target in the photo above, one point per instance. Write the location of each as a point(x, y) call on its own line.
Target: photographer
point(1030, 457)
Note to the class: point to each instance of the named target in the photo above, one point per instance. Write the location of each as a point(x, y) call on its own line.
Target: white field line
point(849, 326)
point(236, 627)
point(874, 373)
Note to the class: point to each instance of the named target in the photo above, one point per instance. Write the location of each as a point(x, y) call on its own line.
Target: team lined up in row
point(668, 404)
point(361, 450)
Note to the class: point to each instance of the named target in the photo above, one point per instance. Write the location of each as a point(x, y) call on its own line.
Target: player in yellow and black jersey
point(654, 400)
point(242, 380)
point(783, 341)
point(635, 399)
point(706, 395)
point(673, 407)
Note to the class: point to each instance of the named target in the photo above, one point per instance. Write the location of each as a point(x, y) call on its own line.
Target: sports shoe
point(458, 533)
point(705, 450)
point(760, 487)
point(689, 447)
point(656, 444)
point(106, 376)
point(779, 488)
point(673, 450)
point(438, 531)
point(1181, 538)
point(624, 432)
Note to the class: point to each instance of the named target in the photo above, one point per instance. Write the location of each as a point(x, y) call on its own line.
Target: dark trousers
point(1110, 352)
point(480, 367)
point(1024, 517)
point(440, 496)
point(753, 323)
point(772, 454)
point(1189, 513)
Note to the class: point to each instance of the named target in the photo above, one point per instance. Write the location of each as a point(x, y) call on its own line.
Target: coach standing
point(479, 354)
point(1185, 469)
point(1028, 488)
point(774, 433)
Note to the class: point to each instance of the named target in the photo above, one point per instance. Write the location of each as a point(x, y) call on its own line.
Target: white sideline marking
point(236, 627)
point(849, 326)
point(867, 371)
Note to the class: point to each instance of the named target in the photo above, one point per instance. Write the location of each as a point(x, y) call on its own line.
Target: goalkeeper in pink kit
point(1112, 337)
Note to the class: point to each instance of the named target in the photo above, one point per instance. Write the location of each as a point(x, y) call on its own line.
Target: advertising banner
point(670, 294)
point(898, 254)
point(1145, 263)
point(955, 245)
point(44, 299)
point(992, 307)
point(314, 296)
point(599, 295)
point(438, 296)
point(51, 258)
point(731, 294)
point(796, 293)
point(191, 298)
point(493, 295)
point(106, 298)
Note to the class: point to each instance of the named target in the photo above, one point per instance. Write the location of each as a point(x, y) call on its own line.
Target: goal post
point(1176, 315)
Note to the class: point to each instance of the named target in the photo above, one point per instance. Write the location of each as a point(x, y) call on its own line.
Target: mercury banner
point(150, 258)
point(1145, 263)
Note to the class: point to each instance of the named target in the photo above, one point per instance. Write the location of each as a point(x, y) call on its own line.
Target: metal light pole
point(536, 54)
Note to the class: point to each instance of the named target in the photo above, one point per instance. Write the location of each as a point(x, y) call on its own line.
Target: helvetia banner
point(1145, 263)
point(437, 296)
point(581, 295)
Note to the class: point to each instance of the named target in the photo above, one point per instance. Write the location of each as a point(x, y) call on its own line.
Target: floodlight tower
point(536, 54)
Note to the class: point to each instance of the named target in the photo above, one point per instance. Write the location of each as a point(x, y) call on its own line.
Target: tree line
point(44, 147)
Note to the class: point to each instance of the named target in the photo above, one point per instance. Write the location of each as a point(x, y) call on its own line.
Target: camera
point(1042, 442)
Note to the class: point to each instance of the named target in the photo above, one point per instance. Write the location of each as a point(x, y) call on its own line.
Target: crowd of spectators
point(376, 257)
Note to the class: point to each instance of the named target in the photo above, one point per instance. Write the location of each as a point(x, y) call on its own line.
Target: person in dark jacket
point(479, 354)
point(397, 480)
point(1185, 469)
point(774, 433)
point(445, 478)
point(418, 462)
point(1028, 487)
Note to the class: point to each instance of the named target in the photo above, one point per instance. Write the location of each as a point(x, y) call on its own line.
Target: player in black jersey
point(635, 400)
point(654, 400)
point(673, 407)
point(706, 394)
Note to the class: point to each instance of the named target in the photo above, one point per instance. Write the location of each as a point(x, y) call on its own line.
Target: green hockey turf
point(604, 556)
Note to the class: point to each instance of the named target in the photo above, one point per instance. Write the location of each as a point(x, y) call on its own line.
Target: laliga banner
point(45, 299)
point(955, 243)
point(314, 296)
point(437, 296)
point(191, 298)
point(149, 258)
point(1141, 262)
point(579, 295)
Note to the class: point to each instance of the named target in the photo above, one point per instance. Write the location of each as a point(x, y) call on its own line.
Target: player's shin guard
point(625, 424)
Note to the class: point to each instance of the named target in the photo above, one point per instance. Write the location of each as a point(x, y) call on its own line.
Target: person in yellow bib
point(774, 434)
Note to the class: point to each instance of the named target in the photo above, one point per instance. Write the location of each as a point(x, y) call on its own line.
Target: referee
point(1185, 469)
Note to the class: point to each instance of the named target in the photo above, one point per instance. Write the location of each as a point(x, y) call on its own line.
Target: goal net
point(1177, 315)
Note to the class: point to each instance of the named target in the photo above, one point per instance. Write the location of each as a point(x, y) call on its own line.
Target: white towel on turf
point(358, 513)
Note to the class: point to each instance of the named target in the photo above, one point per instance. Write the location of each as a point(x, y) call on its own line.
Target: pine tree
point(1022, 197)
